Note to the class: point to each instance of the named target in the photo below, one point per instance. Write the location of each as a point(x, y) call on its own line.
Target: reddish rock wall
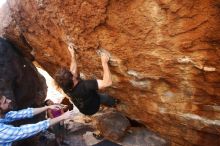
point(165, 56)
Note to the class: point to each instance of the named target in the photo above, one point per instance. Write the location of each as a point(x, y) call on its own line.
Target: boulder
point(19, 78)
point(165, 56)
point(112, 125)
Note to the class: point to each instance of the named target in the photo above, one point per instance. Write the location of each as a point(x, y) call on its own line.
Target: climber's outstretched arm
point(107, 79)
point(73, 65)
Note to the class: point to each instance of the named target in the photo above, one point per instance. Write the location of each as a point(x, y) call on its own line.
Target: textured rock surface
point(112, 125)
point(165, 56)
point(142, 137)
point(20, 82)
point(19, 79)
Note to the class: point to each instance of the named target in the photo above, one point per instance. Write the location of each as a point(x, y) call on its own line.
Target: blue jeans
point(106, 100)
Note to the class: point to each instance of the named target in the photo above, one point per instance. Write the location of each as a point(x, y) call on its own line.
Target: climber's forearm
point(107, 78)
point(73, 64)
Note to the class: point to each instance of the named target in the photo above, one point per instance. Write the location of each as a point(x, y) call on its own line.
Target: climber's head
point(48, 102)
point(64, 78)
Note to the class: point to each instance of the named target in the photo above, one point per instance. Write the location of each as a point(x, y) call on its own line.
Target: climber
point(9, 133)
point(84, 92)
